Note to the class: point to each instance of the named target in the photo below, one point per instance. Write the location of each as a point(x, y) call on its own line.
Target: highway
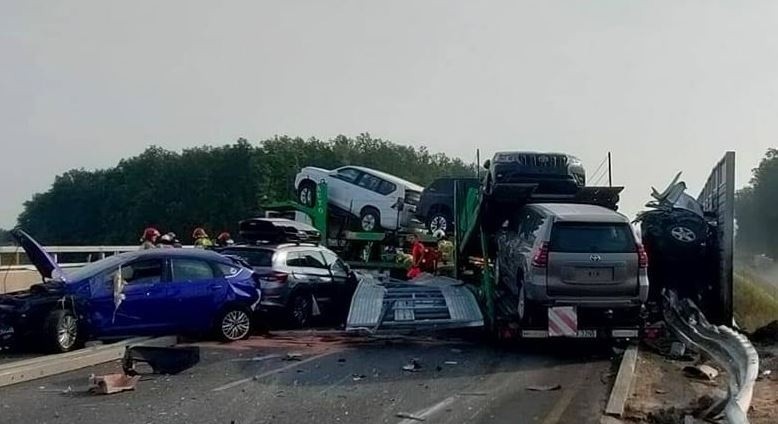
point(340, 379)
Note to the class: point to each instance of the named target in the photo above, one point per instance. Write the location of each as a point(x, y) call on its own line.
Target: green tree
point(756, 209)
point(212, 187)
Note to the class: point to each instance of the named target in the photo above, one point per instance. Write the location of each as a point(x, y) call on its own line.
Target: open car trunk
point(427, 303)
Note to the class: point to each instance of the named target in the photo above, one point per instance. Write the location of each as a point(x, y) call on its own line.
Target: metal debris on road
point(451, 363)
point(660, 391)
point(408, 416)
point(413, 366)
point(677, 350)
point(293, 357)
point(358, 377)
point(701, 372)
point(549, 388)
point(112, 383)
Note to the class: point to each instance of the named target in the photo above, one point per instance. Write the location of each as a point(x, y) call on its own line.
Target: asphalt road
point(339, 379)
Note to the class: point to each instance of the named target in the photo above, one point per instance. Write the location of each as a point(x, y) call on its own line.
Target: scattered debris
point(451, 363)
point(112, 383)
point(256, 358)
point(341, 360)
point(549, 388)
point(660, 391)
point(701, 372)
point(408, 416)
point(677, 350)
point(413, 366)
point(358, 377)
point(162, 360)
point(293, 357)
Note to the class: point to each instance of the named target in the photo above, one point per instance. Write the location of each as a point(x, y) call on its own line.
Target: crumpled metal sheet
point(428, 302)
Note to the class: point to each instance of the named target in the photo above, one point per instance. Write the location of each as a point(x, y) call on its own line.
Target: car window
point(348, 174)
point(228, 270)
point(530, 224)
point(313, 259)
point(386, 188)
point(255, 257)
point(592, 238)
point(295, 259)
point(148, 271)
point(332, 260)
point(369, 182)
point(191, 270)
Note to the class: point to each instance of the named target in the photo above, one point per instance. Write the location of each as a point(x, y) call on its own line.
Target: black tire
point(440, 219)
point(369, 220)
point(300, 310)
point(62, 332)
point(306, 193)
point(233, 323)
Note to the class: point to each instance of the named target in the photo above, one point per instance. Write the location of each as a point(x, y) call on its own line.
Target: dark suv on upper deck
point(436, 207)
point(554, 173)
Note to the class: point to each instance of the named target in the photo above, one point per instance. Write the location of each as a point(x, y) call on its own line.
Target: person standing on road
point(149, 238)
point(201, 239)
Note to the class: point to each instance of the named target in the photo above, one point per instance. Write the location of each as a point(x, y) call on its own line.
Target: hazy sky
point(665, 86)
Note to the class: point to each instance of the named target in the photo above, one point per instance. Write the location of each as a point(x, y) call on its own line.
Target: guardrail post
point(56, 258)
point(17, 258)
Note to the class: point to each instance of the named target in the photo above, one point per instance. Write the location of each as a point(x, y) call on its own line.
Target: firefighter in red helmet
point(149, 238)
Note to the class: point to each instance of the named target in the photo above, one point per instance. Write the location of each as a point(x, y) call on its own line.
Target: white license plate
point(586, 334)
point(594, 275)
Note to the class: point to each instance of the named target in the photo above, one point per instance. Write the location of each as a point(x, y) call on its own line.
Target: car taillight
point(642, 256)
point(540, 259)
point(274, 278)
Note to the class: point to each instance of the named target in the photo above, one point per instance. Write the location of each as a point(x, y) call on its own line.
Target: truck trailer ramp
point(426, 303)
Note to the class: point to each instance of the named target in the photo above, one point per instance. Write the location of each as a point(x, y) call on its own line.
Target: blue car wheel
point(234, 324)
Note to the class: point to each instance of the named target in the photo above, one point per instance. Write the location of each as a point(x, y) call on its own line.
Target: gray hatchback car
point(571, 255)
point(299, 280)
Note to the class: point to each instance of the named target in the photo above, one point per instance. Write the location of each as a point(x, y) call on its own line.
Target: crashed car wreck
point(150, 292)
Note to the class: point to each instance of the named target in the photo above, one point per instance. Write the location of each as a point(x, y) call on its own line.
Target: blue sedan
point(148, 292)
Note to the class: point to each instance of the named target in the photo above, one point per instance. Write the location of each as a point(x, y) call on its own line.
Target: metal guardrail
point(724, 345)
point(99, 252)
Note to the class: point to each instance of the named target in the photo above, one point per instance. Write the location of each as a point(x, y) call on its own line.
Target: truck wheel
point(369, 220)
point(61, 332)
point(233, 324)
point(306, 193)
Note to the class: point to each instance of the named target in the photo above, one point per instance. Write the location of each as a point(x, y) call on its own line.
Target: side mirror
point(487, 164)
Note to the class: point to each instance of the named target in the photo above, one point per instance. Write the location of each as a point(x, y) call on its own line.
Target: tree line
point(209, 186)
point(756, 209)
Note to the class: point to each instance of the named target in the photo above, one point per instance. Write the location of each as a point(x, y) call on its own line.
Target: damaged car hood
point(44, 263)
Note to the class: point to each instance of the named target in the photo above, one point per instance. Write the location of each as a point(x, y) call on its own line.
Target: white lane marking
point(271, 372)
point(432, 410)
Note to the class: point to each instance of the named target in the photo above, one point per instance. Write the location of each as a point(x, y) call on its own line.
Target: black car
point(552, 173)
point(436, 207)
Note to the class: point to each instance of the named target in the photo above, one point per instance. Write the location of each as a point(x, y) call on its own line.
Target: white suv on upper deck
point(371, 195)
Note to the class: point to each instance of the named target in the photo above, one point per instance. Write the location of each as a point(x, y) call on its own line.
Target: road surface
point(339, 379)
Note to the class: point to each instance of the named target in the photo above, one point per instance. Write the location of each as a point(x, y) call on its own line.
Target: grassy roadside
point(755, 300)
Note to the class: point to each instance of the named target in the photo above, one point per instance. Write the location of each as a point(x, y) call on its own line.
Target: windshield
point(571, 237)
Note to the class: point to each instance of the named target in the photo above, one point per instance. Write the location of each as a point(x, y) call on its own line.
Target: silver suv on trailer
point(556, 254)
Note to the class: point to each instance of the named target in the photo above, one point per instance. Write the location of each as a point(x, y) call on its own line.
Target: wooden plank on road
point(623, 385)
point(35, 368)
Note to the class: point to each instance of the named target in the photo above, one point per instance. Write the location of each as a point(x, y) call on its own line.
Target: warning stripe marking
point(562, 321)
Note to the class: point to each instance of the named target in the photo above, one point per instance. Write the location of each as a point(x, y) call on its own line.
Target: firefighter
point(445, 254)
point(149, 238)
point(417, 256)
point(224, 240)
point(201, 239)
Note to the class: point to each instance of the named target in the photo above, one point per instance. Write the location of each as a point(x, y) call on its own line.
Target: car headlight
point(574, 161)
